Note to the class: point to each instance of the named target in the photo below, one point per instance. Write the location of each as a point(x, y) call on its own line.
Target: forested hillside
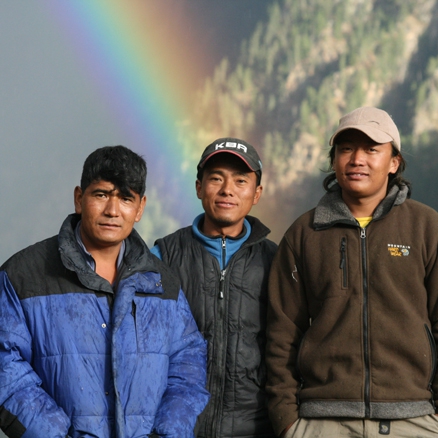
point(311, 62)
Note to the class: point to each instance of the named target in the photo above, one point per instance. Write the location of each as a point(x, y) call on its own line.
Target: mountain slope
point(310, 63)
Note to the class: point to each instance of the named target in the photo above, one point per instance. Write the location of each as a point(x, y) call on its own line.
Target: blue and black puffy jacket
point(78, 359)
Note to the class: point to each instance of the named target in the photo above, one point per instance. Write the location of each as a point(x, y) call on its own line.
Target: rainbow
point(145, 79)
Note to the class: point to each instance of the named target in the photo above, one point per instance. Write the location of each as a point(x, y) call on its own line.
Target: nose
point(227, 187)
point(112, 206)
point(357, 156)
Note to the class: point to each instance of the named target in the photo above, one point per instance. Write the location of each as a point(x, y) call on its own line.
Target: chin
point(223, 222)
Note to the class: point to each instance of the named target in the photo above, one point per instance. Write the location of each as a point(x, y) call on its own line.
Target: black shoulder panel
point(171, 283)
point(38, 271)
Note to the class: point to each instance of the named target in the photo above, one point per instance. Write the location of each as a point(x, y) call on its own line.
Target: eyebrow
point(109, 192)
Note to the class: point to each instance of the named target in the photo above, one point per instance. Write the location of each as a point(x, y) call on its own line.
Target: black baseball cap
point(234, 146)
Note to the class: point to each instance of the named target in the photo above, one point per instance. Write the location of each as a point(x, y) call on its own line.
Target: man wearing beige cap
point(353, 299)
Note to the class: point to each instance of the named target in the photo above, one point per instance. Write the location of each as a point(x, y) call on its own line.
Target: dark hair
point(393, 178)
point(118, 165)
point(210, 161)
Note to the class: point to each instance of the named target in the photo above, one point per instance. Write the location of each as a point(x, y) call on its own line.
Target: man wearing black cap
point(353, 299)
point(223, 262)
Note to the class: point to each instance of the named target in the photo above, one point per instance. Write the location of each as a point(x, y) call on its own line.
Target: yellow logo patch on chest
point(398, 250)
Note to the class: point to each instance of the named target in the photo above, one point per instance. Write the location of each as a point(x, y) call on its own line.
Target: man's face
point(107, 216)
point(362, 166)
point(228, 191)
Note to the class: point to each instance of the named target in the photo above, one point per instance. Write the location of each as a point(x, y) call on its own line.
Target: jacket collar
point(137, 256)
point(332, 210)
point(255, 231)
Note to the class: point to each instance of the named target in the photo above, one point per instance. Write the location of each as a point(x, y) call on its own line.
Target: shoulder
point(170, 281)
point(268, 246)
point(182, 233)
point(416, 214)
point(419, 207)
point(31, 268)
point(302, 223)
point(175, 245)
point(34, 256)
point(417, 217)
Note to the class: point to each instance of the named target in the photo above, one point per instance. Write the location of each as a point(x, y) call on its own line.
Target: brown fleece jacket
point(353, 313)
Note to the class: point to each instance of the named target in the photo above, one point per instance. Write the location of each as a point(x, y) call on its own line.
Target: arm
point(26, 410)
point(432, 291)
point(185, 396)
point(287, 320)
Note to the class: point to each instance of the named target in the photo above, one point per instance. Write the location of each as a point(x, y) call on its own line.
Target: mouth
point(356, 175)
point(109, 226)
point(224, 204)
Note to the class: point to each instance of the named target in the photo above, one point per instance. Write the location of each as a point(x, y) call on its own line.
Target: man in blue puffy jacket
point(96, 337)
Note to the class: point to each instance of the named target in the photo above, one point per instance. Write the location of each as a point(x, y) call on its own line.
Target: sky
point(80, 75)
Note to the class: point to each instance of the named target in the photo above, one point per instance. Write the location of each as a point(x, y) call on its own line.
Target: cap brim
point(228, 152)
point(375, 134)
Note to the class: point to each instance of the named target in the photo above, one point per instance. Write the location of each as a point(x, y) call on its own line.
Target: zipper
point(219, 340)
point(365, 322)
point(343, 263)
point(434, 363)
point(221, 284)
point(223, 270)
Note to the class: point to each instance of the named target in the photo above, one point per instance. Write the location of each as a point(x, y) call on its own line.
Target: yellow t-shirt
point(364, 221)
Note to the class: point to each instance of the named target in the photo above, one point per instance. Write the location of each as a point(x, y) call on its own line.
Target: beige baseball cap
point(374, 122)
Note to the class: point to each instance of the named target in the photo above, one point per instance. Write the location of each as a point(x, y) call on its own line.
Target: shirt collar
point(88, 257)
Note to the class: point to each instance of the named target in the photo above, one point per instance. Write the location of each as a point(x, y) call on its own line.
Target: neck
point(210, 229)
point(361, 207)
point(106, 260)
point(106, 264)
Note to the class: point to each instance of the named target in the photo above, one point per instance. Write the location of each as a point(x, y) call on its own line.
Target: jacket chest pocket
point(343, 265)
point(331, 265)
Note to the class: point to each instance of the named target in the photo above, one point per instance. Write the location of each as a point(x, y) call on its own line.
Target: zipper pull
point(221, 284)
point(223, 251)
point(362, 233)
point(342, 249)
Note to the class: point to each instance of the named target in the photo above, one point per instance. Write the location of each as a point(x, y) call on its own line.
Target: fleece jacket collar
point(332, 210)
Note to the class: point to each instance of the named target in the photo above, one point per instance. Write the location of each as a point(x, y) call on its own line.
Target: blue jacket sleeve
point(26, 410)
point(185, 397)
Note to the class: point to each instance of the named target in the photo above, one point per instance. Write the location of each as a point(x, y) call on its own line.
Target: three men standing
point(223, 262)
point(353, 299)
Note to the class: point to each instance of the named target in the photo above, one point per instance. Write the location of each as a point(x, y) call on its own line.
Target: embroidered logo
point(231, 144)
point(398, 250)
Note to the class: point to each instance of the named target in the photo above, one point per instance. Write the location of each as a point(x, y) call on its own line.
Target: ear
point(140, 209)
point(257, 195)
point(395, 163)
point(77, 196)
point(198, 188)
